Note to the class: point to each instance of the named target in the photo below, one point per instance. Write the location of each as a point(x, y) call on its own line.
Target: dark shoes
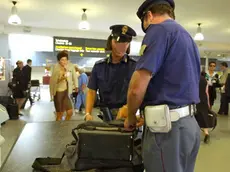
point(207, 139)
point(222, 113)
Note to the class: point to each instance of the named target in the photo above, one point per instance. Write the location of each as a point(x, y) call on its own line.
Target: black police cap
point(122, 30)
point(122, 33)
point(147, 3)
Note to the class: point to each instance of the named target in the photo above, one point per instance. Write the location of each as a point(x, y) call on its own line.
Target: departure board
point(81, 47)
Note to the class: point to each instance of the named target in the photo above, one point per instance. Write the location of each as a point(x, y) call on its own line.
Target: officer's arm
point(153, 50)
point(90, 100)
point(137, 88)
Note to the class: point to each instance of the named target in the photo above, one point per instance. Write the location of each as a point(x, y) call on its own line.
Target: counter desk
point(46, 139)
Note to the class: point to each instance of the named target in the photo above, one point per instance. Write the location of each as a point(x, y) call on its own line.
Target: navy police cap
point(122, 30)
point(147, 3)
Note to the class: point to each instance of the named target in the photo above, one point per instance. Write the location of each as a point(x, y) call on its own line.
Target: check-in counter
point(2, 140)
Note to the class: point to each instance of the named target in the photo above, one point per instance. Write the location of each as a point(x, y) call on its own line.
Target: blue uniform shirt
point(112, 81)
point(82, 80)
point(171, 55)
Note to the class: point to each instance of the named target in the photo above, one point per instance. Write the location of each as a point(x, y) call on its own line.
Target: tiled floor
point(212, 158)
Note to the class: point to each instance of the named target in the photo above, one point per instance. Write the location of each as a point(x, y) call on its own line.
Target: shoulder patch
point(142, 50)
point(102, 61)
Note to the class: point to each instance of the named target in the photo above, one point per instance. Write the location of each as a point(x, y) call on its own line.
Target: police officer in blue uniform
point(167, 75)
point(111, 75)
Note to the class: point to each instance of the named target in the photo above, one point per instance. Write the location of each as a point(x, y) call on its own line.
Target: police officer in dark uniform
point(27, 72)
point(111, 75)
point(166, 84)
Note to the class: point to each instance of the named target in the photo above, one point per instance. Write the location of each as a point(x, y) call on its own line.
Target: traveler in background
point(165, 86)
point(203, 107)
point(27, 70)
point(82, 89)
point(19, 85)
point(212, 80)
point(224, 99)
point(62, 80)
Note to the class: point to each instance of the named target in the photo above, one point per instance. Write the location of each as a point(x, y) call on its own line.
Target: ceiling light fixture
point(84, 24)
point(14, 19)
point(199, 36)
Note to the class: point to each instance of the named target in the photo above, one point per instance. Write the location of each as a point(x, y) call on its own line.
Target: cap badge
point(125, 30)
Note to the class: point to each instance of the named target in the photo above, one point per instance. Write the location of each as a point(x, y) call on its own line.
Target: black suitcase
point(12, 110)
point(35, 83)
point(117, 145)
point(6, 100)
point(101, 146)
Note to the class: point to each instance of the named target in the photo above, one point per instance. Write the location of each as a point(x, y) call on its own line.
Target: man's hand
point(130, 123)
point(122, 113)
point(88, 117)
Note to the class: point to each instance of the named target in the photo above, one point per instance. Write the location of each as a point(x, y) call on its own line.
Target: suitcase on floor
point(13, 111)
point(6, 100)
point(35, 83)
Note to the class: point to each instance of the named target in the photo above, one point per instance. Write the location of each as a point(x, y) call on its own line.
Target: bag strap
point(40, 162)
point(108, 129)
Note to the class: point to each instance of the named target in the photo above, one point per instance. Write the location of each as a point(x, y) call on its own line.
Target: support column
point(4, 52)
point(206, 63)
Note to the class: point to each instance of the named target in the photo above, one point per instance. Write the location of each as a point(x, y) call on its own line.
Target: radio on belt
point(158, 118)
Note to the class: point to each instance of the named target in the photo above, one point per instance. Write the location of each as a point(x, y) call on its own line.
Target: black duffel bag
point(10, 104)
point(6, 100)
point(100, 146)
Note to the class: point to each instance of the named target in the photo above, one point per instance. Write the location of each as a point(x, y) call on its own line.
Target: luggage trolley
point(35, 89)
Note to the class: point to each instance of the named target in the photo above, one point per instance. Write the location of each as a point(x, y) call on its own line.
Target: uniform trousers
point(175, 151)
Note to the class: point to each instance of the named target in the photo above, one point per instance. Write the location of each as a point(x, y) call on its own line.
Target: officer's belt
point(178, 113)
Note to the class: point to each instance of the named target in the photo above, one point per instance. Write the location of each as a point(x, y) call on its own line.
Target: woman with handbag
point(19, 85)
point(202, 113)
point(62, 81)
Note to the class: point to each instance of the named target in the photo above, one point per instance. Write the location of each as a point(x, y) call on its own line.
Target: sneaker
point(76, 111)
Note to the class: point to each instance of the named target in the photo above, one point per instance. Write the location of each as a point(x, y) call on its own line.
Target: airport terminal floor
point(212, 157)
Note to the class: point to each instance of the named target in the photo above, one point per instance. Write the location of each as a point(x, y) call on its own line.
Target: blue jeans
point(81, 98)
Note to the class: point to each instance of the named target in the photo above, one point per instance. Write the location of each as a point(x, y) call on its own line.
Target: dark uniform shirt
point(27, 73)
point(171, 55)
point(112, 81)
point(19, 83)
